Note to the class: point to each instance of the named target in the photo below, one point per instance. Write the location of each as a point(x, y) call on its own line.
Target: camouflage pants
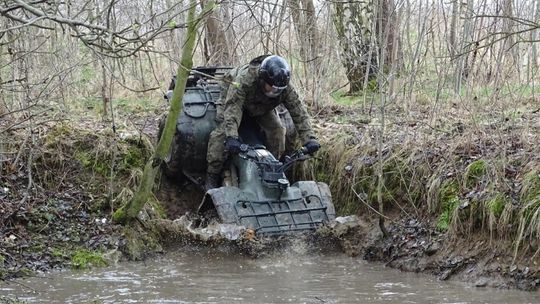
point(270, 124)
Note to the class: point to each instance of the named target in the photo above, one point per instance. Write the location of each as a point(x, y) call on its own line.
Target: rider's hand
point(233, 145)
point(312, 146)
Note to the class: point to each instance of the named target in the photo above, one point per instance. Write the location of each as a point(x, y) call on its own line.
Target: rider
point(256, 89)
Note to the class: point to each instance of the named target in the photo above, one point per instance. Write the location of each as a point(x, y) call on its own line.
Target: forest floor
point(59, 216)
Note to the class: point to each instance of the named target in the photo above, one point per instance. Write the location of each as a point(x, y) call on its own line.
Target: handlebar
point(298, 155)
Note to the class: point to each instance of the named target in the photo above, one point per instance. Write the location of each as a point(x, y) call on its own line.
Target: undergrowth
point(102, 160)
point(468, 179)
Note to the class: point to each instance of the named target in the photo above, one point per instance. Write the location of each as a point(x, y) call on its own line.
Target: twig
point(370, 207)
point(16, 111)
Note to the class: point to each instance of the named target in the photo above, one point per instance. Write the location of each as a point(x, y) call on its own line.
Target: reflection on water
point(197, 277)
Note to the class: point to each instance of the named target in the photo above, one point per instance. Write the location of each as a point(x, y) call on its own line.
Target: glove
point(312, 146)
point(233, 145)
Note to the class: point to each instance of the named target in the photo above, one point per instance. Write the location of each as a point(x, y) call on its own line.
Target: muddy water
point(197, 277)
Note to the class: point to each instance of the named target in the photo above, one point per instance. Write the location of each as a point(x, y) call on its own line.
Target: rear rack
point(212, 75)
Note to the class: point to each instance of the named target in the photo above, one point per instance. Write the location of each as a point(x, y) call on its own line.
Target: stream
point(203, 276)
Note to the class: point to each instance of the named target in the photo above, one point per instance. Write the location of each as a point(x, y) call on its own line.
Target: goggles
point(272, 90)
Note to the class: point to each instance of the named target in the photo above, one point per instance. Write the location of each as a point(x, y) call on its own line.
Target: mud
point(412, 246)
point(178, 196)
point(45, 232)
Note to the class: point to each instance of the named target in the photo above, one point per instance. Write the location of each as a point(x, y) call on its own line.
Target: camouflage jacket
point(243, 95)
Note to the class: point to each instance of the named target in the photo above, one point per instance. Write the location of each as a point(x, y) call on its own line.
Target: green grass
point(120, 105)
point(342, 97)
point(496, 204)
point(84, 259)
point(474, 173)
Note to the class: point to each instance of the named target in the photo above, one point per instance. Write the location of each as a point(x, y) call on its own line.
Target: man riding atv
point(256, 89)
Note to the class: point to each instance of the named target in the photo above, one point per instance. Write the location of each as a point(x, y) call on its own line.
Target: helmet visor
point(273, 90)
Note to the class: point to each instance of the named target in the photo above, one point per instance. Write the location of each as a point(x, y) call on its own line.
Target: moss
point(83, 259)
point(157, 208)
point(134, 157)
point(95, 163)
point(443, 221)
point(474, 172)
point(83, 157)
point(60, 131)
point(119, 216)
point(496, 204)
point(140, 241)
point(58, 253)
point(449, 198)
point(449, 191)
point(129, 154)
point(37, 248)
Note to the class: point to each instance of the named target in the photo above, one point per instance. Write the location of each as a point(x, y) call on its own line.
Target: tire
point(171, 166)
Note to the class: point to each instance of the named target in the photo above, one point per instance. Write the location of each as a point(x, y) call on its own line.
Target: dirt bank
point(461, 198)
point(413, 246)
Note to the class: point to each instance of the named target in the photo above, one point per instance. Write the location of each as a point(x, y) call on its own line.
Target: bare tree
point(354, 25)
point(217, 47)
point(362, 32)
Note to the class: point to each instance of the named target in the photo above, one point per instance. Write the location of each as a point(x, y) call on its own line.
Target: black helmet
point(275, 71)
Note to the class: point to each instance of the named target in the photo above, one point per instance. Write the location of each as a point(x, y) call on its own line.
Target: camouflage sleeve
point(232, 113)
point(299, 115)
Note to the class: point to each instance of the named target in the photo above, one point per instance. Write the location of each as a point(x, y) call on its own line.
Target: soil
point(412, 246)
point(45, 230)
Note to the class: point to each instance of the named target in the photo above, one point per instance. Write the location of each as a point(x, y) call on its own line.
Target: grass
point(342, 97)
point(123, 106)
point(474, 172)
point(462, 167)
point(84, 259)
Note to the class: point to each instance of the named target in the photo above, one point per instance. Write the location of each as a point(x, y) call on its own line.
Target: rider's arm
point(234, 102)
point(299, 114)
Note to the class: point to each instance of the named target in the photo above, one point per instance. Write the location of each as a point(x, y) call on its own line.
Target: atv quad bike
point(255, 192)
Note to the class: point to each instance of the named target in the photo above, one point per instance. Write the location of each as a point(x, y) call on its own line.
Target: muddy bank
point(461, 198)
point(57, 196)
point(413, 246)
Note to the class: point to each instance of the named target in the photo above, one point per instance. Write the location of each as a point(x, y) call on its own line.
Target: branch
point(60, 19)
point(25, 23)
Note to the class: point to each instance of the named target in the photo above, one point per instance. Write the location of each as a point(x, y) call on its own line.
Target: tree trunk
point(533, 56)
point(104, 91)
point(307, 35)
point(354, 23)
point(453, 27)
point(217, 47)
point(510, 27)
point(464, 47)
point(387, 31)
point(132, 209)
point(303, 15)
